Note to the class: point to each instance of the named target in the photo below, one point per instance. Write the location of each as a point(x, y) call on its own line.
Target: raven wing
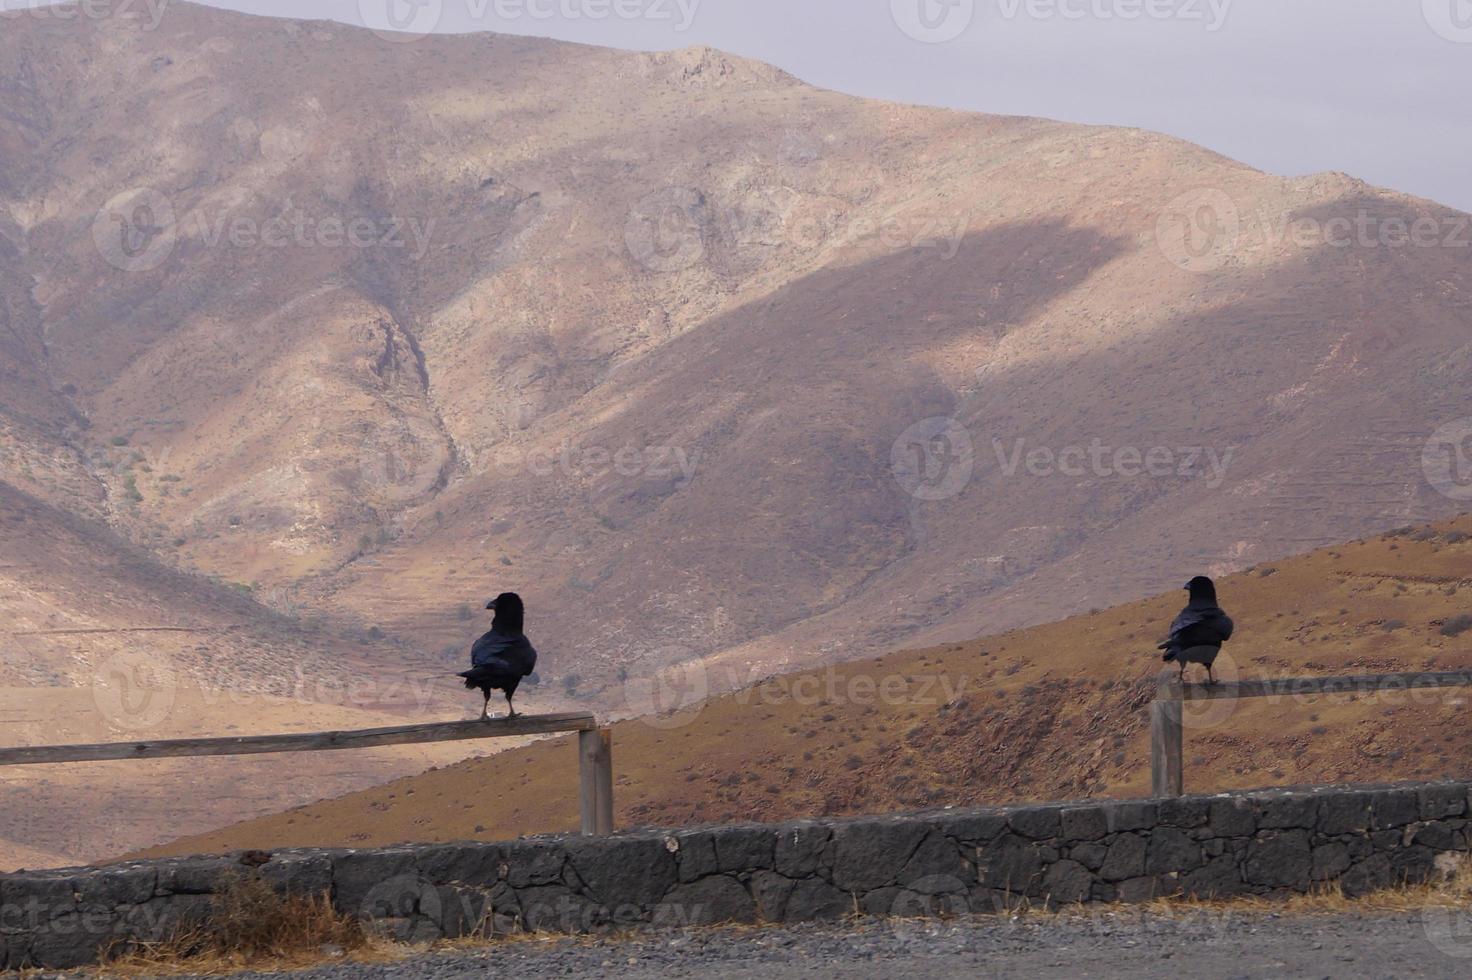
point(1197, 626)
point(1187, 618)
point(491, 646)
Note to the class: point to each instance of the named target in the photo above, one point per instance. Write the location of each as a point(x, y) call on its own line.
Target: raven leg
point(485, 710)
point(510, 708)
point(1210, 677)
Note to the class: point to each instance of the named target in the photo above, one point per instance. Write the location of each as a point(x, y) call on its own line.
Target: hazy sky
point(1381, 89)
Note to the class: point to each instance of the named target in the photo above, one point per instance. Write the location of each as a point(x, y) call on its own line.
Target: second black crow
point(1197, 635)
point(504, 656)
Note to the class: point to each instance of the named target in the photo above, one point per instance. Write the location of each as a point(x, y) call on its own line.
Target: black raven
point(1197, 635)
point(503, 657)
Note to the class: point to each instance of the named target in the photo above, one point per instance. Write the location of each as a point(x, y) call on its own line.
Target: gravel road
point(1129, 945)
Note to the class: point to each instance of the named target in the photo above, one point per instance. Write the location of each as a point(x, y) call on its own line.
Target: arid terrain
point(310, 342)
point(1052, 712)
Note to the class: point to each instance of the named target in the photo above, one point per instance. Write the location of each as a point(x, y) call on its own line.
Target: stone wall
point(944, 862)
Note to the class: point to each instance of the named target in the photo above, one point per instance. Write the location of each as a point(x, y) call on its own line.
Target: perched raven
point(1197, 635)
point(500, 659)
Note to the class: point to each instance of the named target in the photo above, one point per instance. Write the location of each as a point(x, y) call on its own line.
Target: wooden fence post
point(595, 779)
point(1167, 769)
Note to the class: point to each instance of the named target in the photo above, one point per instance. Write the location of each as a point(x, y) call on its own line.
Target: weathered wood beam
point(451, 731)
point(1167, 750)
point(1308, 686)
point(595, 778)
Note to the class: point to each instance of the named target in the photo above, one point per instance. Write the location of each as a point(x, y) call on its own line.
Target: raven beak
point(491, 604)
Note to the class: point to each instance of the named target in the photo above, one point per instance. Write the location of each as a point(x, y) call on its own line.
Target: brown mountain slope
point(1052, 712)
point(100, 642)
point(642, 335)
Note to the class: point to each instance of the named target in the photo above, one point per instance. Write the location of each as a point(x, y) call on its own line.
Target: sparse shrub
point(853, 762)
point(248, 922)
point(1425, 534)
point(119, 441)
point(1456, 537)
point(1266, 572)
point(1391, 625)
point(1457, 625)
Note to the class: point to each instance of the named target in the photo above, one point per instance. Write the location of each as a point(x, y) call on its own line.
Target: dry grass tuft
point(1451, 889)
point(253, 926)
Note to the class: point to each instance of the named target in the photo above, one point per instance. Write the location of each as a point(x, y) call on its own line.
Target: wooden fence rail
point(1167, 736)
point(595, 750)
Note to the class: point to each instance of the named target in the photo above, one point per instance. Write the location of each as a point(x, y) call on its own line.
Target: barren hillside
point(1052, 712)
point(99, 642)
point(714, 367)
